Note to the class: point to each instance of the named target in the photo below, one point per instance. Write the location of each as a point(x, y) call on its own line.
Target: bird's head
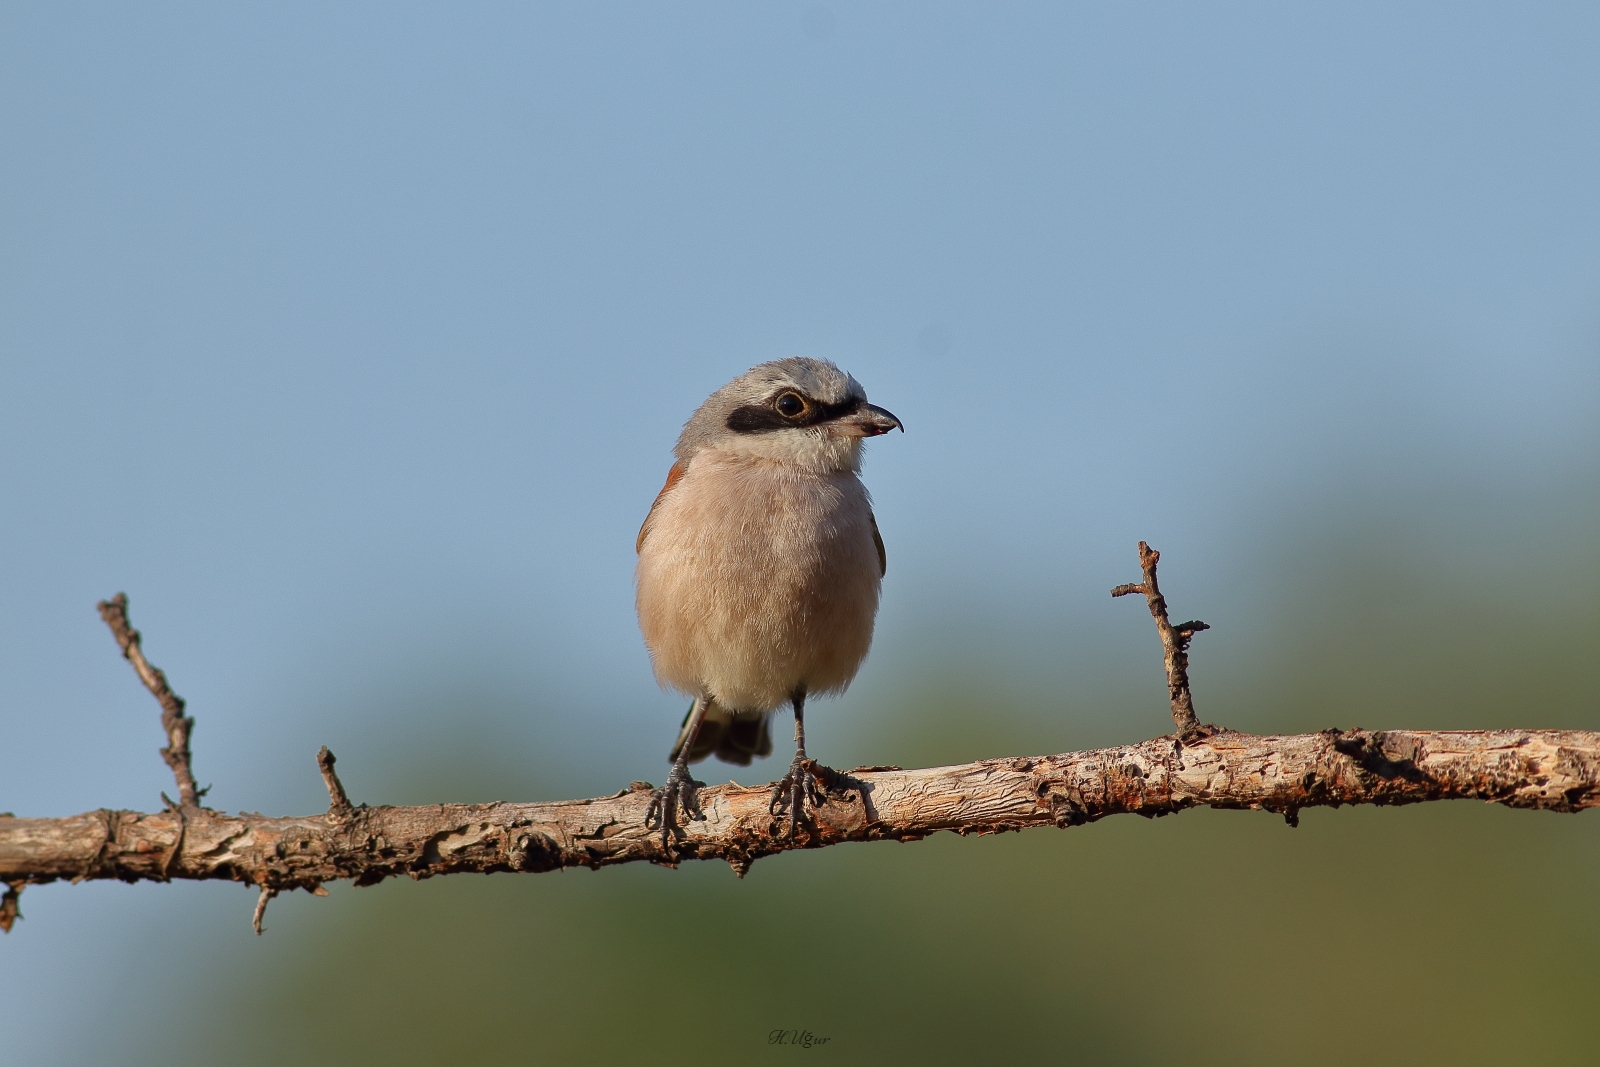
point(802, 411)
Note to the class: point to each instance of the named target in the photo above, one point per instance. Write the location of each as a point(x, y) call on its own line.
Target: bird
point(759, 570)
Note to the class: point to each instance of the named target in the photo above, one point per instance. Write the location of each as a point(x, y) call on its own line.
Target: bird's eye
point(789, 405)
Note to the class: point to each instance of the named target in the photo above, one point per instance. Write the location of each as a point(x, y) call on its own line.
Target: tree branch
point(1554, 770)
point(1199, 766)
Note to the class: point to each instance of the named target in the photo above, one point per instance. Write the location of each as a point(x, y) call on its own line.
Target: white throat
point(811, 449)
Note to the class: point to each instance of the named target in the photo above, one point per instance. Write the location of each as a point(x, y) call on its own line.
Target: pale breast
point(756, 579)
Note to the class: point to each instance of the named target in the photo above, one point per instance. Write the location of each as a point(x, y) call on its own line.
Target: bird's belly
point(754, 586)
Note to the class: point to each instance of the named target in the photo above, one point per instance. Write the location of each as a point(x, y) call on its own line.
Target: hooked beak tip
point(866, 420)
point(876, 420)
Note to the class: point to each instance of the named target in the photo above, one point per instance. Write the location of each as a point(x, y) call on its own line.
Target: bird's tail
point(731, 738)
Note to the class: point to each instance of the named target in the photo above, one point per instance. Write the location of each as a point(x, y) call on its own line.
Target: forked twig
point(1175, 646)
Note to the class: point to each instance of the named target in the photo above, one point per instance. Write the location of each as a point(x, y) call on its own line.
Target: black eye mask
point(763, 418)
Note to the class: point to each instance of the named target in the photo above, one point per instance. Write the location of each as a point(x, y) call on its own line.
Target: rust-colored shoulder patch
point(674, 476)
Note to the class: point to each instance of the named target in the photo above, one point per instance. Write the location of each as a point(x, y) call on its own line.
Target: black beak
point(869, 420)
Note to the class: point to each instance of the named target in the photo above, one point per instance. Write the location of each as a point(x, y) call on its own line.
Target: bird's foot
point(681, 791)
point(800, 786)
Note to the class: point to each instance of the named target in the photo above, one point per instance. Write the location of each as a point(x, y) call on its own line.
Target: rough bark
point(1556, 770)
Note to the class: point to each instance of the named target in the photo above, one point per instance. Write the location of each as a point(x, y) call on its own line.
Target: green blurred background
point(351, 343)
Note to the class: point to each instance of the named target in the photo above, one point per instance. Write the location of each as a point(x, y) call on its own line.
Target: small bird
point(759, 568)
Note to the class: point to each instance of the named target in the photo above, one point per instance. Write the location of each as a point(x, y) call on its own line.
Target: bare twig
point(267, 893)
point(11, 906)
point(1175, 645)
point(173, 720)
point(339, 805)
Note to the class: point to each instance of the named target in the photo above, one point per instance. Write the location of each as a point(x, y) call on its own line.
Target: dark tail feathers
point(732, 739)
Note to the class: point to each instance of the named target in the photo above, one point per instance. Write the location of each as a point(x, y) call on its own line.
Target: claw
point(680, 791)
point(792, 792)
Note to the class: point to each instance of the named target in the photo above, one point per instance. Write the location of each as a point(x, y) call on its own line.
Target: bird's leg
point(681, 789)
point(800, 784)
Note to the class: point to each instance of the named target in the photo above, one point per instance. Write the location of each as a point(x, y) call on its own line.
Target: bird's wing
point(673, 477)
point(877, 539)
